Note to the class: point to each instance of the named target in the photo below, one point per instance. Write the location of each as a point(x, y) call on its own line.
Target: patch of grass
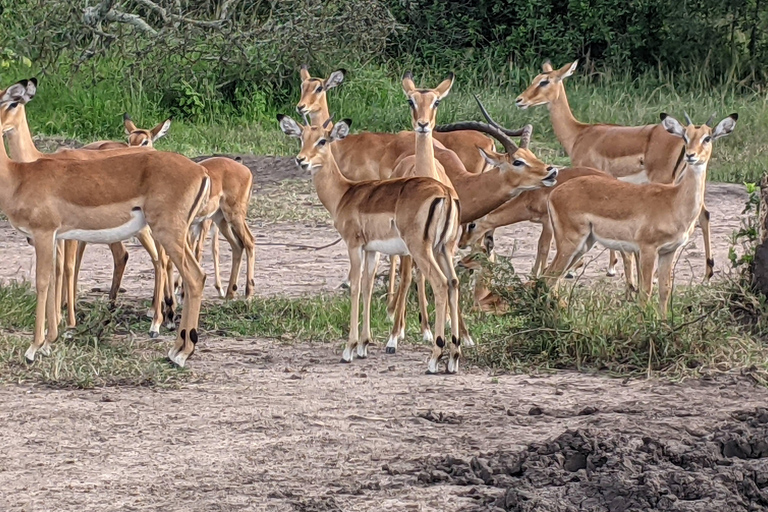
point(102, 350)
point(288, 201)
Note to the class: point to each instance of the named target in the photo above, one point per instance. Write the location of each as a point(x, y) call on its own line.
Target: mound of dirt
point(591, 470)
point(267, 169)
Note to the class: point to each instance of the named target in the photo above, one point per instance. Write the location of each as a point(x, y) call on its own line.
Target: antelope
point(484, 300)
point(103, 201)
point(416, 217)
point(22, 149)
point(517, 170)
point(530, 205)
point(650, 220)
point(636, 154)
point(231, 184)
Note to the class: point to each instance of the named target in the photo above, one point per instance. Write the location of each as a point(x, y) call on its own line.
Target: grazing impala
point(636, 154)
point(104, 201)
point(651, 220)
point(407, 216)
point(137, 137)
point(22, 149)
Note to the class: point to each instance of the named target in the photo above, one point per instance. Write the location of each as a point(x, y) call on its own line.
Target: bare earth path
point(269, 427)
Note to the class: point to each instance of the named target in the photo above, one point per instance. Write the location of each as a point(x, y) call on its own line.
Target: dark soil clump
point(594, 470)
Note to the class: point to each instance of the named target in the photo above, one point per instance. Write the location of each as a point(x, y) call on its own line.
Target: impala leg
point(421, 293)
point(240, 228)
point(542, 248)
point(181, 254)
point(666, 264)
point(215, 257)
point(401, 298)
point(156, 311)
point(45, 254)
point(425, 261)
point(71, 250)
point(391, 289)
point(371, 261)
point(628, 260)
point(355, 274)
point(647, 267)
point(79, 261)
point(120, 259)
point(705, 230)
point(612, 261)
point(445, 260)
point(237, 257)
point(59, 279)
point(169, 298)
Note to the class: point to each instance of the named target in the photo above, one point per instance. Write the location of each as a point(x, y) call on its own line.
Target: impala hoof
point(179, 359)
point(391, 350)
point(153, 334)
point(452, 367)
point(611, 273)
point(428, 337)
point(467, 341)
point(29, 355)
point(346, 356)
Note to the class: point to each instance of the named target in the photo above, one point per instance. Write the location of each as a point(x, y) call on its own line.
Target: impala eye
point(411, 103)
point(437, 102)
point(518, 163)
point(707, 139)
point(321, 142)
point(145, 142)
point(319, 90)
point(544, 83)
point(472, 225)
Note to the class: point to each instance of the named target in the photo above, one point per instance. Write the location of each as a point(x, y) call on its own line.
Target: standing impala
point(22, 149)
point(651, 220)
point(104, 201)
point(636, 154)
point(407, 216)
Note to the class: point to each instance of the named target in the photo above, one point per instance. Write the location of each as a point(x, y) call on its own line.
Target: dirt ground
point(270, 427)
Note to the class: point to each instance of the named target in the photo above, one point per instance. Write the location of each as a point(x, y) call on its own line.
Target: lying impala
point(231, 184)
point(22, 149)
point(636, 154)
point(651, 220)
point(407, 216)
point(104, 201)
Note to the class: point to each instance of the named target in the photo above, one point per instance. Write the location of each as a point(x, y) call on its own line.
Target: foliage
point(747, 234)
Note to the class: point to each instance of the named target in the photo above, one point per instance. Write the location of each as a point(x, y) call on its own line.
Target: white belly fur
point(638, 178)
point(617, 245)
point(391, 246)
point(110, 235)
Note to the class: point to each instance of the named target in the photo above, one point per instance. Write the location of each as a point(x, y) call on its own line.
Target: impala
point(104, 201)
point(652, 220)
point(22, 149)
point(636, 154)
point(409, 216)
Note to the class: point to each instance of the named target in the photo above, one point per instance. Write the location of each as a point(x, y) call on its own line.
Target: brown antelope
point(227, 207)
point(484, 300)
point(531, 206)
point(636, 154)
point(650, 220)
point(22, 149)
point(408, 216)
point(103, 201)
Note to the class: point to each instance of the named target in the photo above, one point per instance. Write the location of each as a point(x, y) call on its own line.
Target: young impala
point(636, 154)
point(408, 216)
point(651, 220)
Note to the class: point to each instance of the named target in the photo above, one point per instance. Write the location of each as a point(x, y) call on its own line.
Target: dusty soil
point(263, 426)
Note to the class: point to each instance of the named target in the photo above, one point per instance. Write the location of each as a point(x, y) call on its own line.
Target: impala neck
point(565, 125)
point(690, 192)
point(330, 184)
point(7, 183)
point(20, 143)
point(322, 115)
point(425, 156)
point(489, 191)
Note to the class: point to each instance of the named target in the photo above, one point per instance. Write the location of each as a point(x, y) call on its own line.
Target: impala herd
point(415, 196)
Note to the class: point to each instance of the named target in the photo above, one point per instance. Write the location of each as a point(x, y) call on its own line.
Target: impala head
point(315, 140)
point(313, 90)
point(473, 232)
point(145, 138)
point(698, 139)
point(424, 102)
point(12, 101)
point(546, 87)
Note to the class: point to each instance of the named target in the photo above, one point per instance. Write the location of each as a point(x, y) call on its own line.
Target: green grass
point(90, 107)
point(108, 348)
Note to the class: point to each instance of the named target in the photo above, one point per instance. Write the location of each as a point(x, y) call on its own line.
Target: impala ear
point(22, 91)
point(161, 129)
point(335, 79)
point(128, 123)
point(725, 127)
point(304, 73)
point(567, 70)
point(408, 85)
point(445, 86)
point(341, 129)
point(492, 158)
point(547, 66)
point(289, 126)
point(672, 125)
